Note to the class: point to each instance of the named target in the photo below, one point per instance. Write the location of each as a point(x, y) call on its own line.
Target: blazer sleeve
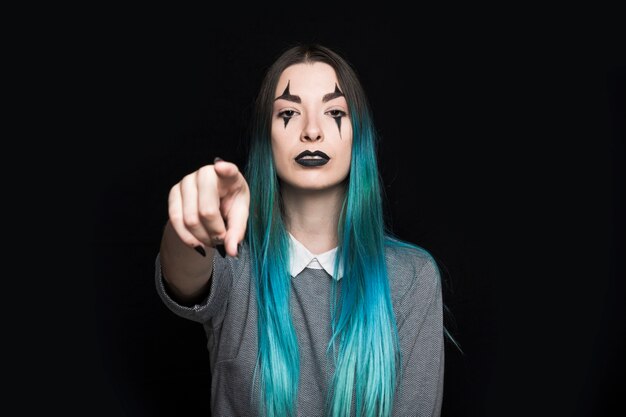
point(420, 330)
point(210, 310)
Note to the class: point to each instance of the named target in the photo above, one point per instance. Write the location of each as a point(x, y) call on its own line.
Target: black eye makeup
point(286, 95)
point(337, 115)
point(287, 115)
point(333, 95)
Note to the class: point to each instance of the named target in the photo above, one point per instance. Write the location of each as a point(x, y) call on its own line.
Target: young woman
point(310, 305)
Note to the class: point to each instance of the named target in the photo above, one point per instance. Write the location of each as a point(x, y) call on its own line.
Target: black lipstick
point(312, 162)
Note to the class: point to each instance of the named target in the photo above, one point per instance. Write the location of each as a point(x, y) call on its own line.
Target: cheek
point(348, 154)
point(279, 134)
point(347, 144)
point(276, 153)
point(280, 152)
point(344, 154)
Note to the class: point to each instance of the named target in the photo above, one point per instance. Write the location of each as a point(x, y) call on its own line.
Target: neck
point(312, 216)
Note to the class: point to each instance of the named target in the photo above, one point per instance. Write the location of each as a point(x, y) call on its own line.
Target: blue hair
point(364, 321)
point(278, 364)
point(364, 345)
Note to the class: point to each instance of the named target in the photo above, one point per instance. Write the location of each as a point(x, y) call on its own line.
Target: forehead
point(315, 78)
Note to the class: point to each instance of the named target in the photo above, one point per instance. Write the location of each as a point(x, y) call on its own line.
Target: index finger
point(237, 221)
point(228, 176)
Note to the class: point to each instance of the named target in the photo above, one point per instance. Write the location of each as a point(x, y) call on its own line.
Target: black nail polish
point(200, 250)
point(217, 159)
point(221, 250)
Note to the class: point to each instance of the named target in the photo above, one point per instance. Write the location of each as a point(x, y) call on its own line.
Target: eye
point(336, 113)
point(288, 114)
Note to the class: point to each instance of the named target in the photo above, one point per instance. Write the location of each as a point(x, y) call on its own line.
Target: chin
point(314, 185)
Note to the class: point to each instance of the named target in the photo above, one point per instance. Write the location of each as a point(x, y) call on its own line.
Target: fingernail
point(217, 159)
point(200, 250)
point(221, 250)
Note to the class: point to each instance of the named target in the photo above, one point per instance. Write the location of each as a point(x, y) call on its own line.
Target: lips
point(312, 159)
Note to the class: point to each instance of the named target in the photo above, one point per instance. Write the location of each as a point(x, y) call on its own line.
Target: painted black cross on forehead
point(286, 95)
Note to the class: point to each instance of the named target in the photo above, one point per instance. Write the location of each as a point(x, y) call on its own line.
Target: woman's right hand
point(210, 207)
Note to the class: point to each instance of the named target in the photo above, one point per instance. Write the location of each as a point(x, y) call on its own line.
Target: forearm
point(186, 272)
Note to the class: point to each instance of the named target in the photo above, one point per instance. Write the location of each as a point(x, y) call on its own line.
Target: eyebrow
point(286, 95)
point(333, 95)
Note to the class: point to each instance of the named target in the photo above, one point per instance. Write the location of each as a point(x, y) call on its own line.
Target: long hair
point(364, 344)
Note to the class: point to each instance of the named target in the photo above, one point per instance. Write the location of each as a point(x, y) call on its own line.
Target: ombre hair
point(364, 344)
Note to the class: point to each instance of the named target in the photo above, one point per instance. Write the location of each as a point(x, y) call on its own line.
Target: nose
point(311, 131)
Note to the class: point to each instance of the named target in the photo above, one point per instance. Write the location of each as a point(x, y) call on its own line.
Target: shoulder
point(407, 258)
point(412, 271)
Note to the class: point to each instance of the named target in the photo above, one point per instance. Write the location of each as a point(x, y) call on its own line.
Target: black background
point(502, 153)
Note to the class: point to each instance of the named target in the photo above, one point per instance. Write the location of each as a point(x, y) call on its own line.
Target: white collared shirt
point(301, 257)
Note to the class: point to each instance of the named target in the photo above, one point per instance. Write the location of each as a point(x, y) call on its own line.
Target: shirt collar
point(300, 258)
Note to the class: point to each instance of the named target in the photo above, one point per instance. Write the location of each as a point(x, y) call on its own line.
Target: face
point(311, 114)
